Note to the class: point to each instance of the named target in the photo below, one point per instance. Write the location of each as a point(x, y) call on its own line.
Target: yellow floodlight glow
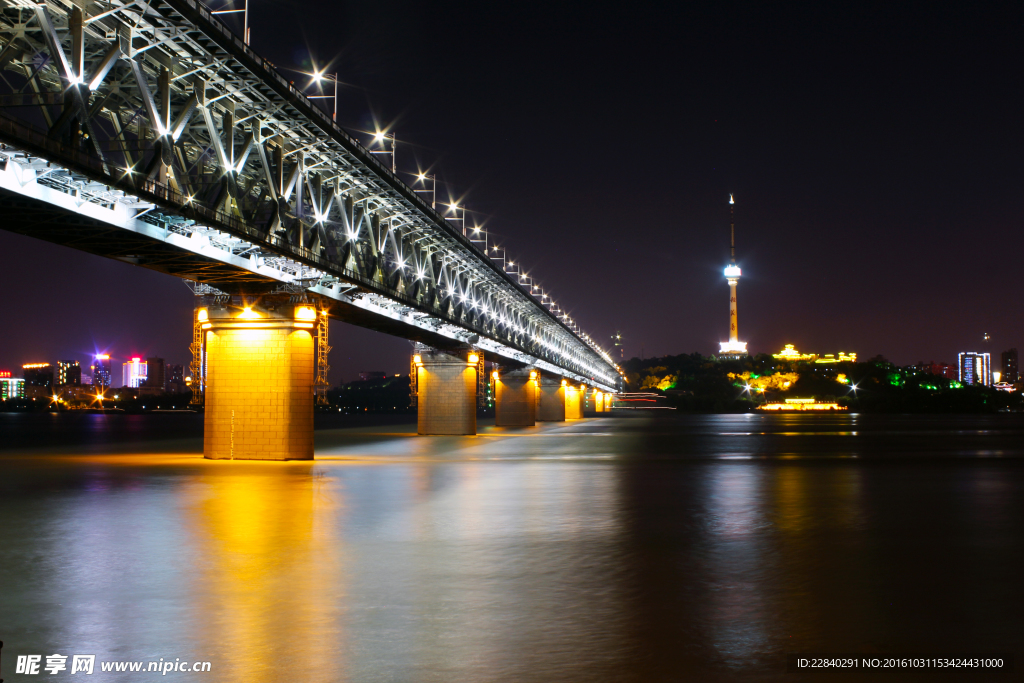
point(565, 383)
point(474, 359)
point(306, 325)
point(305, 313)
point(494, 375)
point(207, 326)
point(248, 314)
point(203, 315)
point(417, 359)
point(533, 374)
point(31, 366)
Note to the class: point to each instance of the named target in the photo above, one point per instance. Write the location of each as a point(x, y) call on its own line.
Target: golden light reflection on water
point(268, 572)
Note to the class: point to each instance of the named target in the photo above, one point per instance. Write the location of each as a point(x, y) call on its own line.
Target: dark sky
point(875, 153)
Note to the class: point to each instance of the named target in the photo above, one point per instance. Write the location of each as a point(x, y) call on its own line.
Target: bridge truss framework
point(148, 132)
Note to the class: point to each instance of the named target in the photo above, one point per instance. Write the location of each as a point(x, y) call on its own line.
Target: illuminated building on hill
point(791, 354)
point(733, 348)
point(800, 404)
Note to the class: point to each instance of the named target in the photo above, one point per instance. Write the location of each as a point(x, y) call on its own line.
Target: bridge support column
point(446, 392)
point(515, 399)
point(259, 382)
point(574, 402)
point(597, 399)
point(551, 407)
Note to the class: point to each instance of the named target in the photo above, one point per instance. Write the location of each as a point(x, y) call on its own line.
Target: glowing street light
point(320, 76)
point(422, 179)
point(382, 138)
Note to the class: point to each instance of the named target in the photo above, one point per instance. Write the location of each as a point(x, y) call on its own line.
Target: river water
point(640, 548)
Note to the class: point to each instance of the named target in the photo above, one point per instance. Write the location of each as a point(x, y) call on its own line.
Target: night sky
point(875, 154)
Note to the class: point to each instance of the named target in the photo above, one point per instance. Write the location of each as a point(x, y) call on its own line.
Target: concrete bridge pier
point(574, 398)
point(597, 400)
point(446, 391)
point(259, 381)
point(515, 398)
point(551, 399)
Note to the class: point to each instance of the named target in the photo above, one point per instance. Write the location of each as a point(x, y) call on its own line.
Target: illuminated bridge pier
point(551, 398)
point(445, 388)
point(260, 374)
point(515, 398)
point(574, 399)
point(448, 386)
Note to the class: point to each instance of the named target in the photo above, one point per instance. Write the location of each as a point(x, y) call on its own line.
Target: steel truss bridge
point(148, 132)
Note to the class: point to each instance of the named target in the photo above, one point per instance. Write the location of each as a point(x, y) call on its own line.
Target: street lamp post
point(321, 76)
point(454, 207)
point(423, 178)
point(381, 138)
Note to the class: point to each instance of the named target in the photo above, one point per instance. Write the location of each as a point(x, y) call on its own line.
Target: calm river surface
point(652, 548)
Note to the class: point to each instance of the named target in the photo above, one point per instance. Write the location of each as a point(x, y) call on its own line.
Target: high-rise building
point(133, 373)
point(101, 371)
point(11, 387)
point(175, 373)
point(175, 383)
point(975, 368)
point(733, 348)
point(1009, 366)
point(38, 375)
point(69, 373)
point(155, 376)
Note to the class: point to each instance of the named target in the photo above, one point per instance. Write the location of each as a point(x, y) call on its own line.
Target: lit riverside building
point(975, 368)
point(69, 373)
point(101, 370)
point(38, 374)
point(134, 372)
point(733, 348)
point(11, 387)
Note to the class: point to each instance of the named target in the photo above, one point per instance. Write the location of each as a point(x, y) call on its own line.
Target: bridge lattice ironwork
point(173, 145)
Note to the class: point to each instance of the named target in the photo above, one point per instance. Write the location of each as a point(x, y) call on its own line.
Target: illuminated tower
point(733, 348)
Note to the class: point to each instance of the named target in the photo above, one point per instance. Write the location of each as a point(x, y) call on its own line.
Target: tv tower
point(733, 348)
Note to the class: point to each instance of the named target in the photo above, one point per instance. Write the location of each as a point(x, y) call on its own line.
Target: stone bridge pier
point(259, 362)
point(445, 388)
point(551, 398)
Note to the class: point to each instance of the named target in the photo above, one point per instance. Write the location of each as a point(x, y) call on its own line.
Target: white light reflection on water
point(735, 558)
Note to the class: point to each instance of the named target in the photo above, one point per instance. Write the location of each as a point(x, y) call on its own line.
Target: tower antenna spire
point(732, 230)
